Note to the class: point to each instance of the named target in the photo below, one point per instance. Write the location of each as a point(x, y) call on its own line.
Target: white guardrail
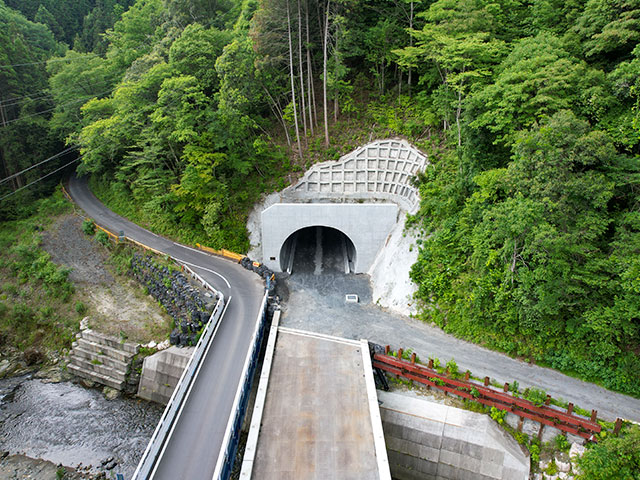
point(181, 392)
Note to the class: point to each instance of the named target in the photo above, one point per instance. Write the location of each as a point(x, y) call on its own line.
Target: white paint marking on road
point(193, 382)
point(188, 248)
point(203, 268)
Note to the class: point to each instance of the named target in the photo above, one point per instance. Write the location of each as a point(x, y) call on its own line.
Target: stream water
point(68, 424)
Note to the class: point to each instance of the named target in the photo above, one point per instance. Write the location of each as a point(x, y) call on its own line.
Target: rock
point(164, 345)
point(33, 356)
point(152, 344)
point(563, 475)
point(87, 383)
point(576, 450)
point(563, 462)
point(5, 367)
point(84, 323)
point(111, 466)
point(106, 460)
point(110, 393)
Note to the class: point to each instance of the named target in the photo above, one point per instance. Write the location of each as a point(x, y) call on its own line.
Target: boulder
point(576, 450)
point(563, 462)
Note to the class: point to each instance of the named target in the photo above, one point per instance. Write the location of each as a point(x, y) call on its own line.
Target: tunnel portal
point(316, 250)
point(364, 226)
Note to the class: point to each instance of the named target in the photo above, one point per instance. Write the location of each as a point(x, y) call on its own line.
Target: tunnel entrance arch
point(318, 248)
point(366, 225)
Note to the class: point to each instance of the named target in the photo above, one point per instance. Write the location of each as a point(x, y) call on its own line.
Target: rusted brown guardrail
point(482, 393)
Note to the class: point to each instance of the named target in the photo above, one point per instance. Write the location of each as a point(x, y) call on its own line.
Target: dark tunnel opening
point(318, 250)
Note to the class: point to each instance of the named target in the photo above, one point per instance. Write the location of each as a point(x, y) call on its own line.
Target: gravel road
point(316, 302)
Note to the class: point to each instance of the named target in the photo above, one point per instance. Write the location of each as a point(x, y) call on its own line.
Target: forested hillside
point(185, 111)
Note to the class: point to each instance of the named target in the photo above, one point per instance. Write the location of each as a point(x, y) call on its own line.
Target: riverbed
point(67, 424)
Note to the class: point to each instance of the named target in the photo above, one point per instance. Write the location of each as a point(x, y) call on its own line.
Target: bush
point(81, 308)
point(88, 227)
point(453, 368)
point(534, 450)
point(102, 238)
point(613, 457)
point(498, 415)
point(562, 443)
point(536, 396)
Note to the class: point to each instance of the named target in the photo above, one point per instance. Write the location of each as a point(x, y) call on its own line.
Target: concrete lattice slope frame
point(382, 170)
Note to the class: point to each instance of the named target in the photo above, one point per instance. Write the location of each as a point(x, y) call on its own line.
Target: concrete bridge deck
point(318, 418)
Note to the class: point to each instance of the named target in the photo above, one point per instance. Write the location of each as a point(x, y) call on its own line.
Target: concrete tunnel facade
point(366, 225)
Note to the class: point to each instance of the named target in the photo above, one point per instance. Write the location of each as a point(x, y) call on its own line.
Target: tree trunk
point(336, 107)
point(293, 88)
point(310, 95)
point(324, 72)
point(410, 42)
point(277, 111)
point(302, 101)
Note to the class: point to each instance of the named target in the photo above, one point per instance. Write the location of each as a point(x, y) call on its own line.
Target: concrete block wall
point(161, 373)
point(427, 440)
point(102, 359)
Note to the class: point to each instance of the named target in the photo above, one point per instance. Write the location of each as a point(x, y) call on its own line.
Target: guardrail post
point(386, 350)
point(400, 351)
point(430, 363)
point(594, 415)
point(413, 359)
point(618, 426)
point(466, 375)
point(486, 381)
point(505, 388)
point(570, 408)
point(547, 400)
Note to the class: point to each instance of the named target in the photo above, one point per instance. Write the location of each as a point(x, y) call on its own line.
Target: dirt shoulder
point(116, 304)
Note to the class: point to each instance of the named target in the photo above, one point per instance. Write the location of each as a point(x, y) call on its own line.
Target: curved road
point(192, 451)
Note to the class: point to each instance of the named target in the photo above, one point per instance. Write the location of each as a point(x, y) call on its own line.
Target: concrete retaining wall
point(367, 225)
point(427, 440)
point(161, 373)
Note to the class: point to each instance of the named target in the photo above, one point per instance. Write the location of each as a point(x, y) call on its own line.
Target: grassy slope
point(37, 302)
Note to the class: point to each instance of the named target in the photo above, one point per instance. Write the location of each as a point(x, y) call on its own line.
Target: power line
point(38, 94)
point(38, 63)
point(38, 164)
point(61, 105)
point(25, 99)
point(41, 178)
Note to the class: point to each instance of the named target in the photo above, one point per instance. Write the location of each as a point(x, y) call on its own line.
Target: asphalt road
point(192, 451)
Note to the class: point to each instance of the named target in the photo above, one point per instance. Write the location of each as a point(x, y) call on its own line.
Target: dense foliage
point(186, 111)
point(613, 457)
point(532, 222)
point(36, 308)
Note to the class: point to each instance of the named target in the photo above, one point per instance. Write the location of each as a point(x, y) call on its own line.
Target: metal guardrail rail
point(477, 392)
point(232, 433)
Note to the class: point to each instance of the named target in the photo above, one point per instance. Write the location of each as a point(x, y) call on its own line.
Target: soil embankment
point(117, 305)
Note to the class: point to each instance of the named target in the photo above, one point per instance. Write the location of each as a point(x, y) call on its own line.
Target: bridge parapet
point(173, 409)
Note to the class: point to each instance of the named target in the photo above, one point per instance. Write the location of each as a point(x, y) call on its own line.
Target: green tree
point(612, 457)
point(539, 77)
point(455, 51)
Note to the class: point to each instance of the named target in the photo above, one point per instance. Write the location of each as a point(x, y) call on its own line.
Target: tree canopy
point(185, 112)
